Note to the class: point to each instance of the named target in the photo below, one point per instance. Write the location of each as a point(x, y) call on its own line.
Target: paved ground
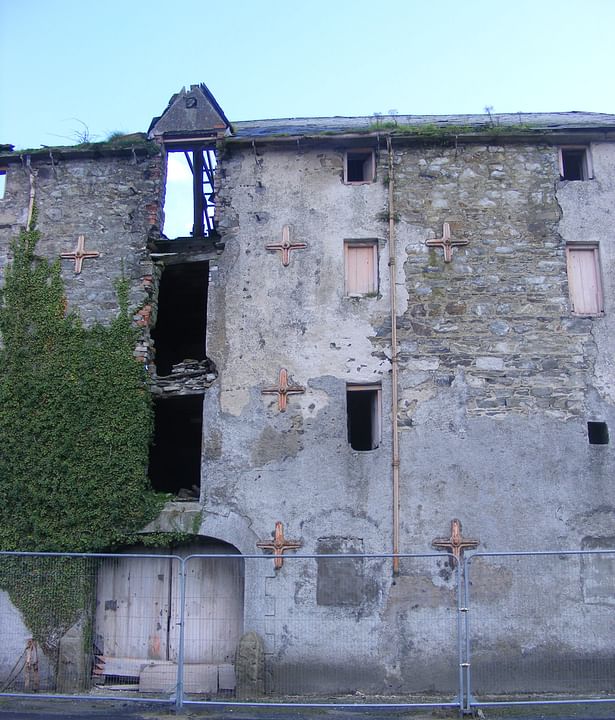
point(30, 709)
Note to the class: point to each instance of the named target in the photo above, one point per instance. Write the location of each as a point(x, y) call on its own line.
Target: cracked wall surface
point(497, 378)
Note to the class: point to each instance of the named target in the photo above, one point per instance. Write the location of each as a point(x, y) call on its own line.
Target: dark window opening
point(182, 315)
point(189, 203)
point(597, 433)
point(175, 455)
point(359, 166)
point(363, 408)
point(574, 164)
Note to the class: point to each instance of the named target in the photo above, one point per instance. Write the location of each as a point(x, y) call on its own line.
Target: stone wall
point(496, 318)
point(112, 198)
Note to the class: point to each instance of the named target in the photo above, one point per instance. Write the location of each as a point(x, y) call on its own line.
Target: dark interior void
point(175, 456)
point(573, 164)
point(362, 419)
point(597, 433)
point(358, 166)
point(182, 315)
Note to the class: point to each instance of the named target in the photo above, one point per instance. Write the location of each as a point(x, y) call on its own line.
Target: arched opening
point(138, 617)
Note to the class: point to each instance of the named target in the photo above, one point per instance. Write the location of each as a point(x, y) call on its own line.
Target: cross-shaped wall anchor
point(446, 242)
point(456, 544)
point(279, 545)
point(283, 390)
point(79, 254)
point(286, 246)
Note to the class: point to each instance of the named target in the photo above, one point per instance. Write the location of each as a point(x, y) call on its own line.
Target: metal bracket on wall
point(283, 390)
point(446, 242)
point(79, 254)
point(279, 545)
point(456, 544)
point(286, 246)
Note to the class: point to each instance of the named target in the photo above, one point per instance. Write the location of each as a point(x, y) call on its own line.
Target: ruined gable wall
point(111, 199)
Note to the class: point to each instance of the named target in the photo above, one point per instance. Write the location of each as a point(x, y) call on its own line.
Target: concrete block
point(226, 677)
point(160, 677)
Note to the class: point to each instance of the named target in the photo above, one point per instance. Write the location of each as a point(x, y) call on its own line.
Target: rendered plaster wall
point(497, 382)
point(111, 200)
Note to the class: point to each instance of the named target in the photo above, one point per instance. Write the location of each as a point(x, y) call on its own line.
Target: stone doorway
point(137, 630)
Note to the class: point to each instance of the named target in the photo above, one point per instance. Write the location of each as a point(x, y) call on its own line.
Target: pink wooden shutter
point(360, 269)
point(584, 281)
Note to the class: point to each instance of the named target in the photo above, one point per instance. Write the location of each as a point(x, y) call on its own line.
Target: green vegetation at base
point(75, 426)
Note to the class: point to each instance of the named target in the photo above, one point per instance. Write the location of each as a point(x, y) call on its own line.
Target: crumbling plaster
point(588, 213)
point(296, 317)
point(495, 372)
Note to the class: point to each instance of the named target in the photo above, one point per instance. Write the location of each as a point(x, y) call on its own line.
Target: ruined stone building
point(373, 327)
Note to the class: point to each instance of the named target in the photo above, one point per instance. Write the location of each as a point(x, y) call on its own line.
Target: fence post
point(460, 634)
point(468, 649)
point(179, 692)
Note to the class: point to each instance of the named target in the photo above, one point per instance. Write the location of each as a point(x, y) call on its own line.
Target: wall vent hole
point(597, 433)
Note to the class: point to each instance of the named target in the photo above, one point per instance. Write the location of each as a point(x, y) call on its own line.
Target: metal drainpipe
point(394, 360)
point(32, 193)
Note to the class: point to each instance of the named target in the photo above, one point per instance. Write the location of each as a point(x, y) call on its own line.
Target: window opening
point(2, 183)
point(189, 204)
point(597, 433)
point(360, 166)
point(584, 282)
point(175, 455)
point(361, 267)
point(181, 323)
point(363, 415)
point(574, 163)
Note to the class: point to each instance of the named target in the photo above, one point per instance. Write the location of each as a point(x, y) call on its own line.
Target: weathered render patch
point(499, 310)
point(587, 216)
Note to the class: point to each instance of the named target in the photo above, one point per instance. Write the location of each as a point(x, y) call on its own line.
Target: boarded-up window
point(361, 267)
point(584, 279)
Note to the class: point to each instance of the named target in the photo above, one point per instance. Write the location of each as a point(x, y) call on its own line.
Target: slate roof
point(539, 122)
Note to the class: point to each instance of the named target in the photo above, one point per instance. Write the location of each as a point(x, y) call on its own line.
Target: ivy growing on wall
point(75, 423)
point(75, 418)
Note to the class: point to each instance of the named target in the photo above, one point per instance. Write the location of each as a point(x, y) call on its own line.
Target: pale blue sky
point(113, 64)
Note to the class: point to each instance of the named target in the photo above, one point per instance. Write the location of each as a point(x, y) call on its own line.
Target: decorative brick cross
point(79, 254)
point(279, 545)
point(283, 390)
point(456, 544)
point(286, 246)
point(446, 242)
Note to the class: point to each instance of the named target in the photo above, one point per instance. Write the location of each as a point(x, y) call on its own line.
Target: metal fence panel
point(327, 629)
point(95, 624)
point(541, 626)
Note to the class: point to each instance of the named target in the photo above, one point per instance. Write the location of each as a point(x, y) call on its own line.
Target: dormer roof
point(190, 114)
